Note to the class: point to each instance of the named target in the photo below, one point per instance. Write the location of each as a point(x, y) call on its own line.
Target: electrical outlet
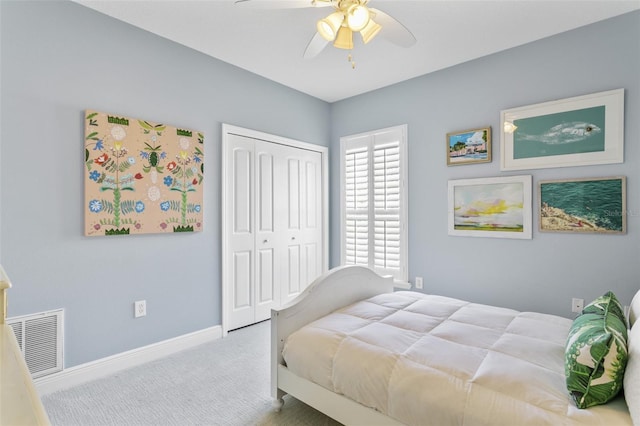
point(140, 308)
point(577, 305)
point(419, 283)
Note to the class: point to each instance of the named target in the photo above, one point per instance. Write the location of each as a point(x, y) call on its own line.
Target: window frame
point(370, 140)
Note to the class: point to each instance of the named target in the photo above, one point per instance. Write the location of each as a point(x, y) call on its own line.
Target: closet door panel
point(311, 266)
point(293, 192)
point(265, 284)
point(266, 241)
point(240, 233)
point(242, 280)
point(273, 226)
point(265, 192)
point(304, 210)
point(293, 275)
point(241, 191)
point(312, 208)
point(312, 229)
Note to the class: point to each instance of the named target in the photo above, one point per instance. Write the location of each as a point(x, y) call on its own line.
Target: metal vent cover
point(40, 339)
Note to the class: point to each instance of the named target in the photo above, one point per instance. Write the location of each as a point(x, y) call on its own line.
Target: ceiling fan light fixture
point(344, 39)
point(370, 31)
point(357, 17)
point(329, 26)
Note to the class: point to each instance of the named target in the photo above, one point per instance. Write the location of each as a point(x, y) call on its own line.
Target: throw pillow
point(596, 352)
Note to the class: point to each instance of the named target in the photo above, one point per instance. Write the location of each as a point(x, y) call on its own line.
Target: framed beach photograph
point(497, 207)
point(469, 147)
point(590, 205)
point(578, 131)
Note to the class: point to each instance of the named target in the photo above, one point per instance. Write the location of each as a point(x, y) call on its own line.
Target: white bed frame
point(335, 289)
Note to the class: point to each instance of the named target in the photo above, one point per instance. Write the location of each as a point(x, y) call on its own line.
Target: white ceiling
point(270, 41)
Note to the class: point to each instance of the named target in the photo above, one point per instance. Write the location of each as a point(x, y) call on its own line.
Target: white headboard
point(634, 309)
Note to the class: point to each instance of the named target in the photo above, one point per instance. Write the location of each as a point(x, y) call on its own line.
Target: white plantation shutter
point(374, 231)
point(357, 205)
point(386, 236)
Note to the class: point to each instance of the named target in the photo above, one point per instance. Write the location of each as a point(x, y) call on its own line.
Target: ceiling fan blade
point(315, 46)
point(393, 30)
point(281, 4)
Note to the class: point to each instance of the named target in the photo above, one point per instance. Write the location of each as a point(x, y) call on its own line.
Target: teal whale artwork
point(571, 132)
point(576, 131)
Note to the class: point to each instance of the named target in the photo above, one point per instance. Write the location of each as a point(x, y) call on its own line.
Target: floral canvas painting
point(141, 177)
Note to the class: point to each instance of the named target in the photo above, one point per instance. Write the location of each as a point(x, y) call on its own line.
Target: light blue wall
point(545, 272)
point(60, 58)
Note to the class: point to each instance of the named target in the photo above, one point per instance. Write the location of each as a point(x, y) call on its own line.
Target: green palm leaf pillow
point(596, 352)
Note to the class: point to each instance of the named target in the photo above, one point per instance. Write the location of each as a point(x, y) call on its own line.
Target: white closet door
point(274, 226)
point(268, 241)
point(301, 220)
point(240, 233)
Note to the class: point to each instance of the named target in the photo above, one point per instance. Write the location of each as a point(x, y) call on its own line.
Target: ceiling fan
point(347, 17)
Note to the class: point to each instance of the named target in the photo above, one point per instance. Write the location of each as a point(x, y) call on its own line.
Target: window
point(373, 201)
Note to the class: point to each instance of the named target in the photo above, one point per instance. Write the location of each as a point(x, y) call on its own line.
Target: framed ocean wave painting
point(579, 131)
point(498, 207)
point(590, 205)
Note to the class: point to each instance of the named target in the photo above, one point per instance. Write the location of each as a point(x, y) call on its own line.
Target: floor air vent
point(40, 339)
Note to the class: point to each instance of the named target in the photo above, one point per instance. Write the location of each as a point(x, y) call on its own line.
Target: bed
point(361, 353)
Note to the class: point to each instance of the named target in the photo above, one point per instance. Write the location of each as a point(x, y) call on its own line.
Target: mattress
point(433, 360)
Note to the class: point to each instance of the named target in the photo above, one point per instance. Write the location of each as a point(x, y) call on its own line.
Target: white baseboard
point(103, 367)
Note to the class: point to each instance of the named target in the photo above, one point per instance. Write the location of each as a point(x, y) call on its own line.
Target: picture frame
point(141, 177)
point(578, 131)
point(497, 207)
point(469, 146)
point(587, 205)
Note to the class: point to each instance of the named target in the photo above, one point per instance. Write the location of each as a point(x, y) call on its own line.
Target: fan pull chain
point(350, 59)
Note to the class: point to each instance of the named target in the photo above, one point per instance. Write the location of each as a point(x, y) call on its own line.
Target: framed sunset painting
point(497, 207)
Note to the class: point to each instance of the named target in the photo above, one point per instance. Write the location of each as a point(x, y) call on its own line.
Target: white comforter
point(432, 360)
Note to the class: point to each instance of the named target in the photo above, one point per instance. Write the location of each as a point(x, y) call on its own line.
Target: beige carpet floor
point(225, 382)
